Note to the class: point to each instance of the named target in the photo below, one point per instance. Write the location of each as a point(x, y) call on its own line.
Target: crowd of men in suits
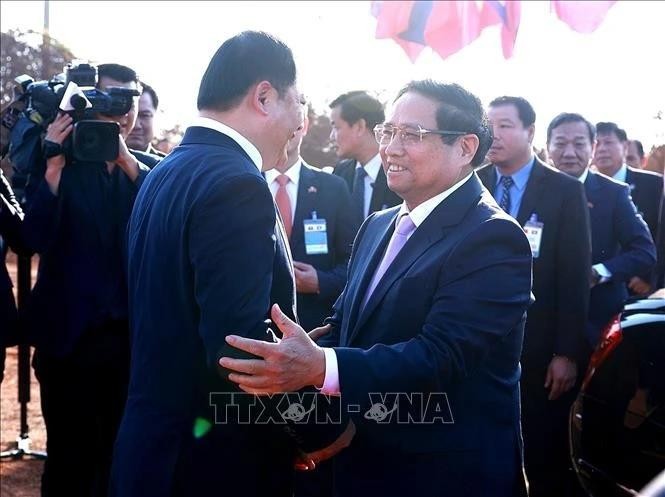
point(421, 252)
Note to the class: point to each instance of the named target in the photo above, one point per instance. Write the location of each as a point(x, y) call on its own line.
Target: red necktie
point(284, 203)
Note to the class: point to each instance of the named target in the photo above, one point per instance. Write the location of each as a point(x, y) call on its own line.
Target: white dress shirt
point(291, 187)
point(418, 216)
point(245, 144)
point(620, 175)
point(372, 169)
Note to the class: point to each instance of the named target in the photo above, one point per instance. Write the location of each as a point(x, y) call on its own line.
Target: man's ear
point(360, 127)
point(532, 133)
point(470, 145)
point(262, 96)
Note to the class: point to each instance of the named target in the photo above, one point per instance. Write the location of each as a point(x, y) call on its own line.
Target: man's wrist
point(320, 369)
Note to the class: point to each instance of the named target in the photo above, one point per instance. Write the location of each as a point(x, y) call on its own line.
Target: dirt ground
point(19, 478)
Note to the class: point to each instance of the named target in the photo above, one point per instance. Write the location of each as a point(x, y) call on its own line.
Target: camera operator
point(11, 216)
point(78, 309)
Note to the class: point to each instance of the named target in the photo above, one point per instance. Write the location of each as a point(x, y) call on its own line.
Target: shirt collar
point(420, 213)
point(583, 176)
point(372, 167)
point(293, 173)
point(621, 173)
point(245, 144)
point(521, 177)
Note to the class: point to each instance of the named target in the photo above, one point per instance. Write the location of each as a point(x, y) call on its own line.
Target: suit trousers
point(545, 430)
point(83, 396)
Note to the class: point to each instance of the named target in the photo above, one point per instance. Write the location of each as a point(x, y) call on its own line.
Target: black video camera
point(93, 140)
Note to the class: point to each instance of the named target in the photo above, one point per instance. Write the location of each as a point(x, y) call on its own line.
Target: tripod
point(23, 440)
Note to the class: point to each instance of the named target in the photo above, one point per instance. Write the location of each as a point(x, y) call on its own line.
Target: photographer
point(77, 315)
point(11, 216)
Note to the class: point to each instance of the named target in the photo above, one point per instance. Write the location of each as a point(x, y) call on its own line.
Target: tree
point(316, 147)
point(29, 53)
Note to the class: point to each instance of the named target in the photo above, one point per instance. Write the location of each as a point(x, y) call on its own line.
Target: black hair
point(153, 94)
point(459, 110)
point(357, 105)
point(524, 108)
point(639, 147)
point(242, 61)
point(118, 72)
point(609, 128)
point(570, 117)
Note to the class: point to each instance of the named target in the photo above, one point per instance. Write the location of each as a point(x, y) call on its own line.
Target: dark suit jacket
point(621, 241)
point(448, 317)
point(149, 159)
point(80, 236)
point(646, 190)
point(329, 197)
point(207, 258)
point(556, 321)
point(11, 216)
point(382, 196)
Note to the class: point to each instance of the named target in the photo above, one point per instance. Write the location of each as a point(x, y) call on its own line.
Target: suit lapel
point(365, 271)
point(86, 184)
point(378, 201)
point(532, 193)
point(308, 188)
point(443, 218)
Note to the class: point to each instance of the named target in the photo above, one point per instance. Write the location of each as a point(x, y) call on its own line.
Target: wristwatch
point(52, 149)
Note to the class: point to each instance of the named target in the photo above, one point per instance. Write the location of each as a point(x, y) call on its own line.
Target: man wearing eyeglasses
point(552, 210)
point(423, 346)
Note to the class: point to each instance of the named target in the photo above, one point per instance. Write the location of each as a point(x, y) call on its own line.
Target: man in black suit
point(207, 257)
point(620, 239)
point(433, 309)
point(77, 314)
point(552, 209)
point(316, 210)
point(143, 132)
point(646, 187)
point(317, 217)
point(353, 117)
point(11, 216)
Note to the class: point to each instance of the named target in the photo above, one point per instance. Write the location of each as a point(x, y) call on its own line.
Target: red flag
point(583, 17)
point(446, 27)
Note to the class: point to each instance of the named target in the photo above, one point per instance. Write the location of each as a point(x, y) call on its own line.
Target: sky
point(613, 74)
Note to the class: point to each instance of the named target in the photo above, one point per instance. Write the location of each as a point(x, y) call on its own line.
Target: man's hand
point(287, 366)
point(561, 375)
point(127, 162)
point(342, 442)
point(317, 333)
point(307, 281)
point(57, 132)
point(639, 286)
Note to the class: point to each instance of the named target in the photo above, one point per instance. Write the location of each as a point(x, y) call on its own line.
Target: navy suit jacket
point(207, 258)
point(621, 241)
point(329, 197)
point(11, 216)
point(446, 319)
point(382, 196)
point(556, 321)
point(80, 238)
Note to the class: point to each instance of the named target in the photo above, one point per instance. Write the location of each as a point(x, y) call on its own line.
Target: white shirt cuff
point(331, 379)
point(605, 274)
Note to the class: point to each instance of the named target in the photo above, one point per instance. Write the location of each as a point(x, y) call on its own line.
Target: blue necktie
point(506, 182)
point(358, 194)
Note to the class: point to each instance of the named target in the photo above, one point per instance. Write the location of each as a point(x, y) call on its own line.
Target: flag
point(583, 17)
point(446, 27)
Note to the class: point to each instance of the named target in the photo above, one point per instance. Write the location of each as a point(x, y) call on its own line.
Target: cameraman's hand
point(127, 162)
point(57, 132)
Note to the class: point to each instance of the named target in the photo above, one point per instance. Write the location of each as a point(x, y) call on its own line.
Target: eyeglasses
point(385, 133)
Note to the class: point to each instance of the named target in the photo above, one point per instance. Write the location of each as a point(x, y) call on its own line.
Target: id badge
point(534, 233)
point(316, 236)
